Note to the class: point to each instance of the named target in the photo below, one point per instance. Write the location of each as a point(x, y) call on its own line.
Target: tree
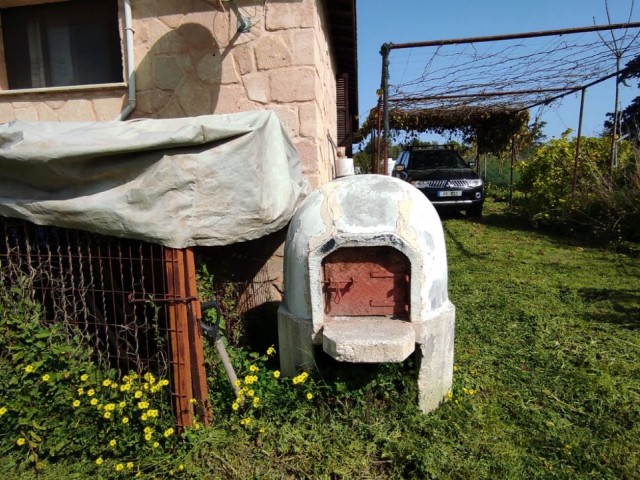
point(630, 116)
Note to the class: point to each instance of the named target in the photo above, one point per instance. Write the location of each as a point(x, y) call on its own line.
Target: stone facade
point(190, 60)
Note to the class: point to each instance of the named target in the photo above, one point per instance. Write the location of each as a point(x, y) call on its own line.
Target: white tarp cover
point(208, 180)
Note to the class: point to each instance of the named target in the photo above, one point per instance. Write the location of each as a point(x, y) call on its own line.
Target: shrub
point(56, 404)
point(604, 203)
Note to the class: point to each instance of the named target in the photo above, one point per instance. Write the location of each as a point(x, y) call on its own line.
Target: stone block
point(28, 114)
point(108, 108)
point(302, 44)
point(257, 87)
point(195, 98)
point(45, 113)
point(245, 59)
point(288, 115)
point(6, 111)
point(212, 69)
point(309, 155)
point(368, 340)
point(311, 124)
point(272, 52)
point(296, 84)
point(285, 15)
point(167, 73)
point(77, 110)
point(171, 110)
point(229, 99)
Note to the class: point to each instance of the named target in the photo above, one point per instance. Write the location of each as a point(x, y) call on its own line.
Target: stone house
point(78, 60)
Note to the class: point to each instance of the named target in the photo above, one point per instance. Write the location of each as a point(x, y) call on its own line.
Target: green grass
point(547, 380)
point(548, 334)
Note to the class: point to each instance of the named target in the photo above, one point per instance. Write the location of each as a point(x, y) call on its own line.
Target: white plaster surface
point(368, 211)
point(369, 340)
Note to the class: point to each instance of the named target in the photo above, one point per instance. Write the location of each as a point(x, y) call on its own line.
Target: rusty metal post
point(576, 163)
point(513, 161)
point(196, 349)
point(179, 337)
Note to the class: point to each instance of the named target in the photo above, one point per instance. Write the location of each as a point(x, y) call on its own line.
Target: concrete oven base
point(434, 344)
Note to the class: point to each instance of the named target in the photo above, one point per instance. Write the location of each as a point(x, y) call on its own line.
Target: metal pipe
point(616, 120)
point(384, 51)
point(131, 77)
point(569, 92)
point(578, 146)
point(479, 94)
point(513, 161)
point(513, 36)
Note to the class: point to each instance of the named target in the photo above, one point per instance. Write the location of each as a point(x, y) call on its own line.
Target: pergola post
point(576, 163)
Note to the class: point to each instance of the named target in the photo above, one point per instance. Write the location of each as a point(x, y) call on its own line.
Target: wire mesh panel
point(134, 302)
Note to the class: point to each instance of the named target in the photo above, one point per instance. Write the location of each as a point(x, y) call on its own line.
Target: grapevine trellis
point(486, 86)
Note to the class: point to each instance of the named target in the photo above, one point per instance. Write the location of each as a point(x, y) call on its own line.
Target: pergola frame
point(461, 98)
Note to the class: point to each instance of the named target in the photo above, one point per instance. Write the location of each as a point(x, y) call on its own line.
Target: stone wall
point(190, 60)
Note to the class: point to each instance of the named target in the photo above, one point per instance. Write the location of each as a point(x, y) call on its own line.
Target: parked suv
point(443, 176)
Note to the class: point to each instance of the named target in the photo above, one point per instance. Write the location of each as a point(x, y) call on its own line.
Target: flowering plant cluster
point(262, 391)
point(55, 403)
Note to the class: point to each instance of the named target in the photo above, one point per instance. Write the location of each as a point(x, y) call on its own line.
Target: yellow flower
point(193, 401)
point(276, 374)
point(449, 395)
point(113, 443)
point(80, 391)
point(84, 377)
point(163, 383)
point(238, 383)
point(148, 430)
point(91, 392)
point(119, 467)
point(152, 413)
point(99, 461)
point(125, 420)
point(46, 377)
point(107, 415)
point(148, 436)
point(125, 387)
point(271, 351)
point(156, 444)
point(137, 394)
point(309, 395)
point(94, 401)
point(3, 410)
point(250, 393)
point(106, 383)
point(20, 442)
point(114, 386)
point(181, 467)
point(121, 405)
point(75, 404)
point(256, 402)
point(110, 407)
point(129, 465)
point(168, 432)
point(29, 368)
point(235, 406)
point(126, 379)
point(245, 421)
point(143, 405)
point(253, 368)
point(144, 417)
point(149, 377)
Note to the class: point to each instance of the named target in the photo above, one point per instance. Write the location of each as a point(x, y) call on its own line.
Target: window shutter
point(342, 102)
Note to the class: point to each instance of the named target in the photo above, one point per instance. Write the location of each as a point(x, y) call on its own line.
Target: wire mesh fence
point(134, 303)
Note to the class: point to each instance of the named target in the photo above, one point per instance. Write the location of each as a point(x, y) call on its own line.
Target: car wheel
point(475, 211)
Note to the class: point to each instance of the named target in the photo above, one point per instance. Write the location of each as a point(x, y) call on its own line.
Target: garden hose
point(214, 332)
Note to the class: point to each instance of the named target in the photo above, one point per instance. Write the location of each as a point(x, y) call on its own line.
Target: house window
point(62, 44)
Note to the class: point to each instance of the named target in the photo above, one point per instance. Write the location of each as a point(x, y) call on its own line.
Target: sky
point(400, 21)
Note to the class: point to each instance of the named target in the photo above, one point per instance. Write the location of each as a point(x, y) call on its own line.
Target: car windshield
point(433, 159)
